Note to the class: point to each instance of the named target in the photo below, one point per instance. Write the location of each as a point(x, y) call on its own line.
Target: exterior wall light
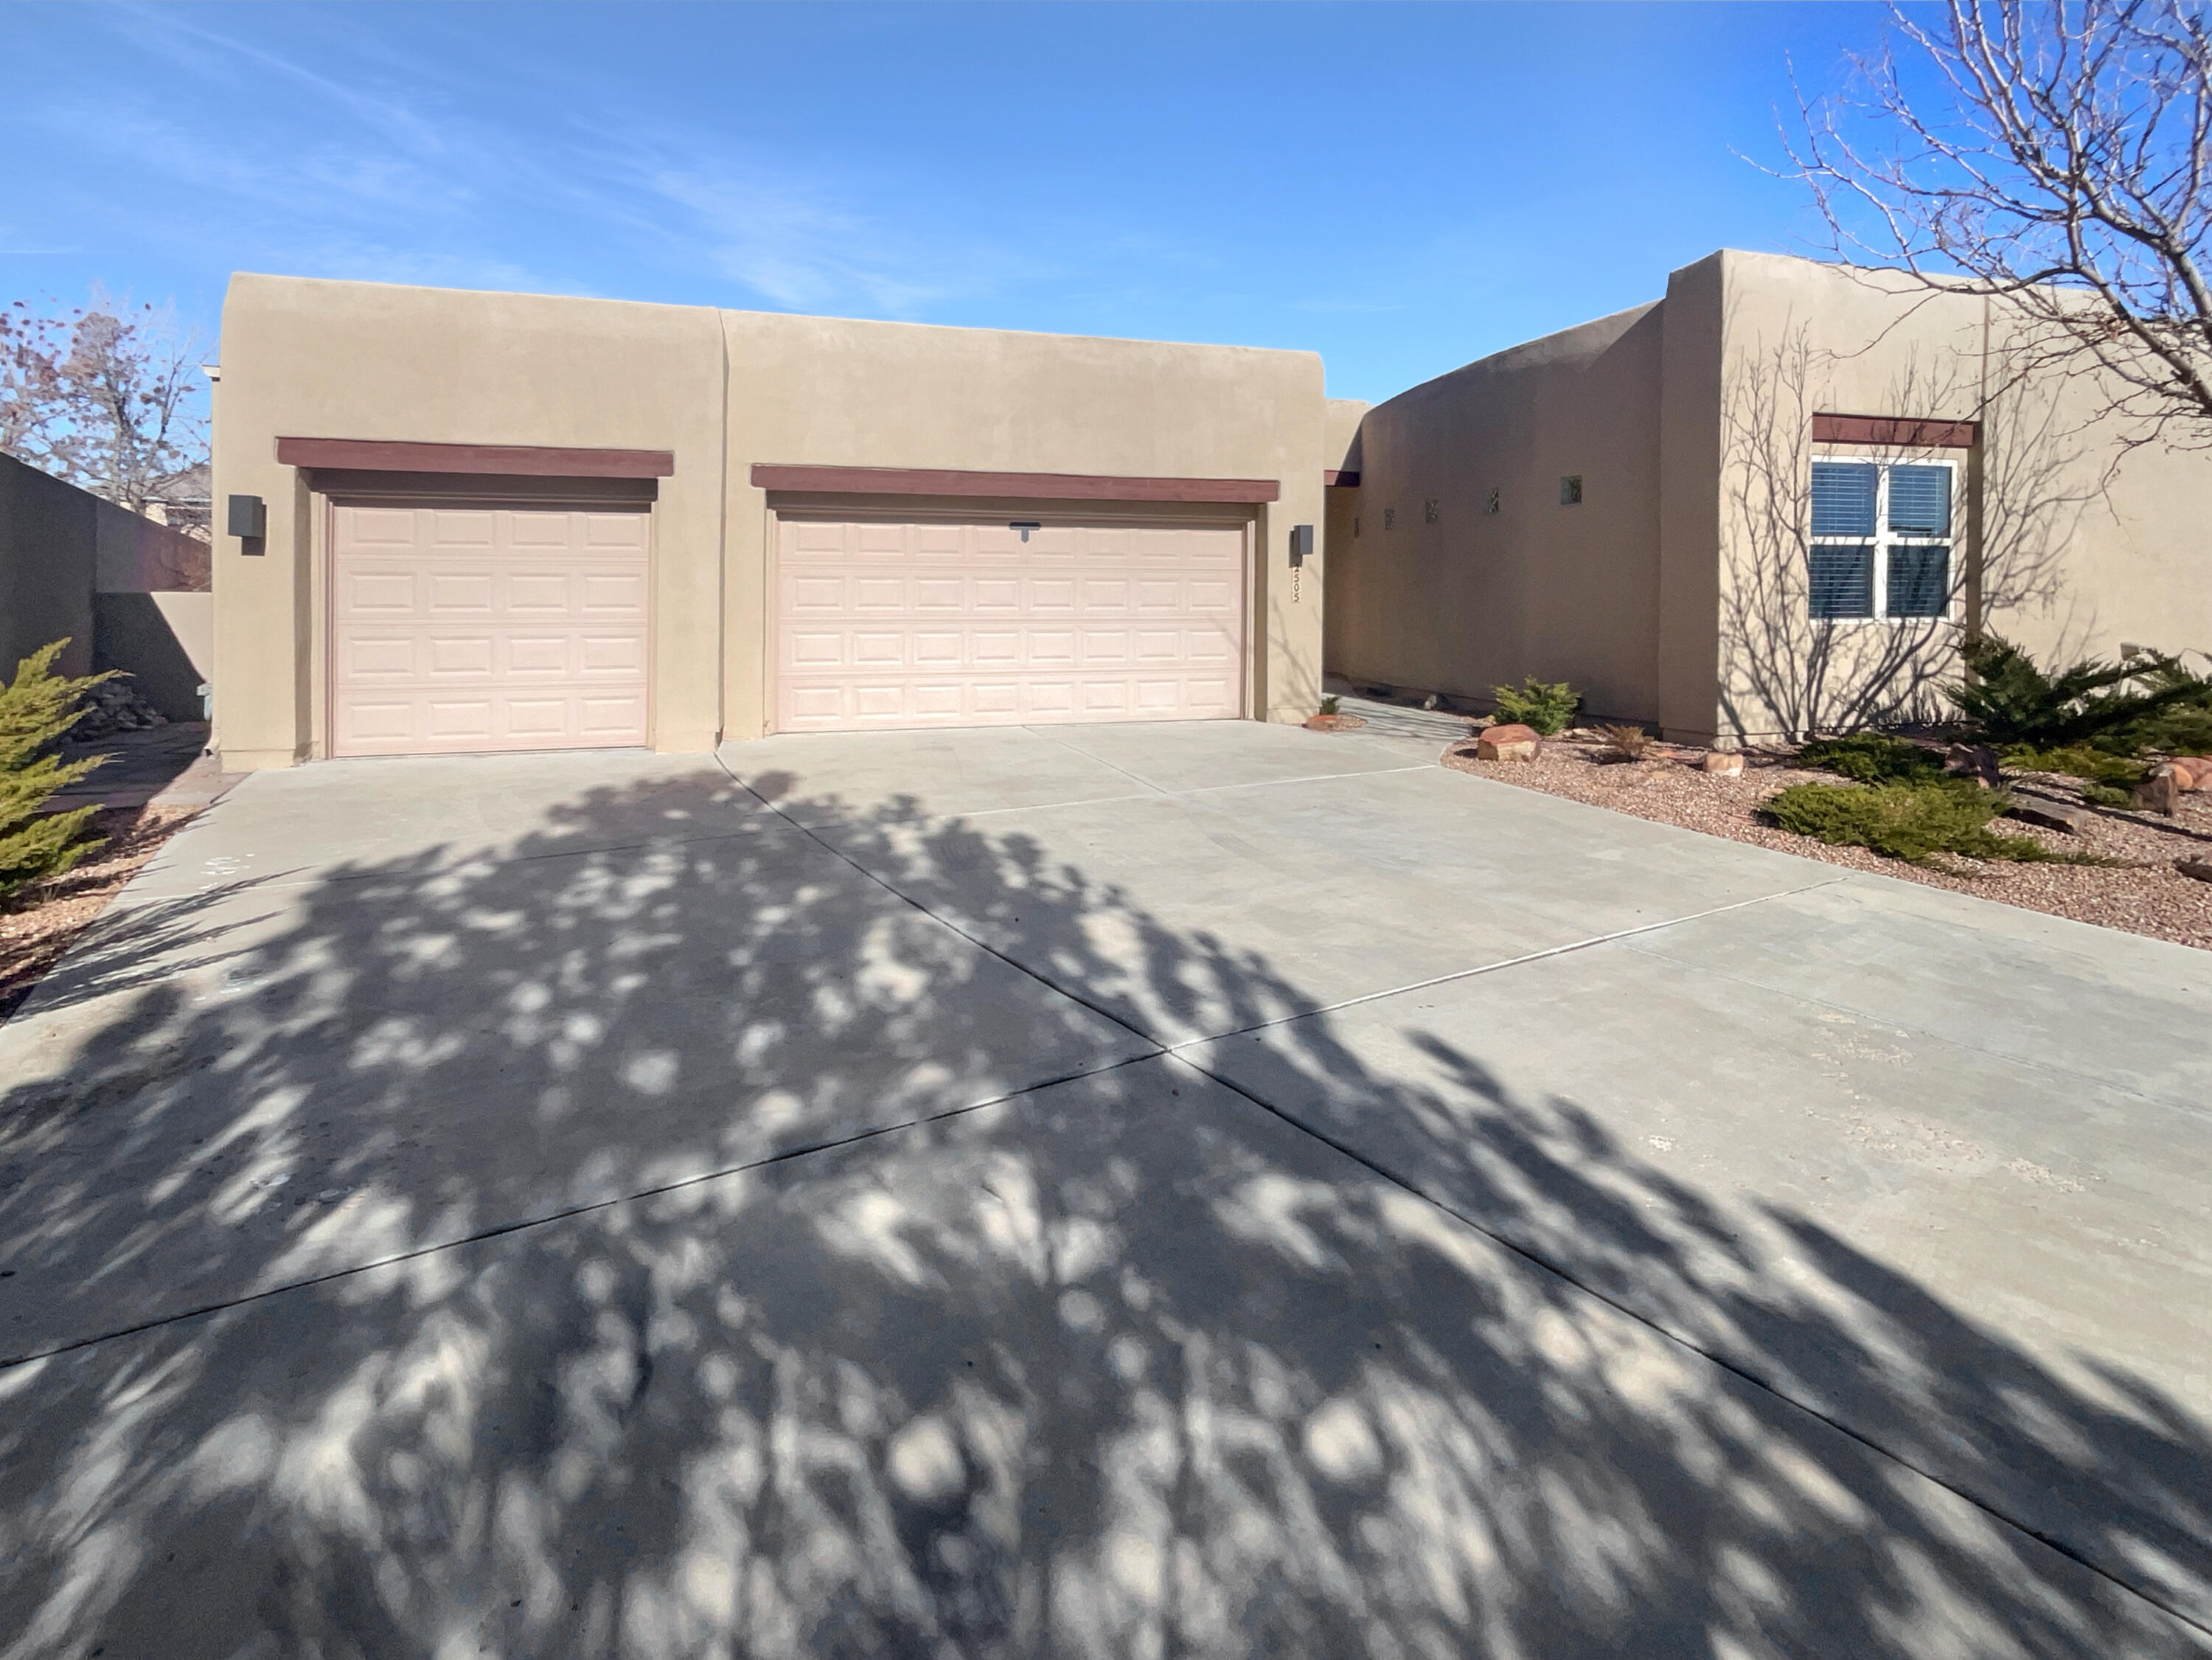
point(1302, 544)
point(247, 519)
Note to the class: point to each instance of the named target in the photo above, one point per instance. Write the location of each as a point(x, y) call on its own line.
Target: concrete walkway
point(1208, 1189)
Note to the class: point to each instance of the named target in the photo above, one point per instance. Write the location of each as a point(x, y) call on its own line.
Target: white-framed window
point(1881, 539)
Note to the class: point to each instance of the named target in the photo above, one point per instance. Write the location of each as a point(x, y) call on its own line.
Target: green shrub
point(1912, 822)
point(1330, 706)
point(2107, 779)
point(2145, 701)
point(1547, 707)
point(1872, 759)
point(36, 708)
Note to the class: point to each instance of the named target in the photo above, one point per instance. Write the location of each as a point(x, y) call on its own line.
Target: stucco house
point(458, 521)
point(1768, 504)
point(455, 522)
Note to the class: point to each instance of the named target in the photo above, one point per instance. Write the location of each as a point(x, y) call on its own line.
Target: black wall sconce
point(247, 519)
point(1302, 544)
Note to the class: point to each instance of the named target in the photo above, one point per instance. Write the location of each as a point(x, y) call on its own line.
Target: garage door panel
point(379, 593)
point(461, 629)
point(884, 624)
point(476, 531)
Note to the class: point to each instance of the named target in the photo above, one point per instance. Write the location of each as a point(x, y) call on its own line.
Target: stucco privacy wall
point(722, 391)
point(832, 392)
point(127, 593)
point(1439, 587)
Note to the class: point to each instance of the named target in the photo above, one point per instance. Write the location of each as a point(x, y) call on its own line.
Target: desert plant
point(1330, 706)
point(2119, 707)
point(1916, 823)
point(1546, 708)
point(37, 708)
point(1627, 742)
point(1870, 758)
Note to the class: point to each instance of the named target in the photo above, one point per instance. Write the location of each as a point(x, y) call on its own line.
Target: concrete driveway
point(1109, 1191)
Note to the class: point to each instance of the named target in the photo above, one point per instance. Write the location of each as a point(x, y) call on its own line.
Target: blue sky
point(1402, 189)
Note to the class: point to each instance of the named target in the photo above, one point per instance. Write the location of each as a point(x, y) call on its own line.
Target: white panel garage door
point(457, 628)
point(883, 625)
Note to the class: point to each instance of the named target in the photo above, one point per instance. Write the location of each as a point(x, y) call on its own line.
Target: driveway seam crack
point(1507, 963)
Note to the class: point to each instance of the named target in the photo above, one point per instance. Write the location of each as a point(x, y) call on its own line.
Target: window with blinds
point(1880, 544)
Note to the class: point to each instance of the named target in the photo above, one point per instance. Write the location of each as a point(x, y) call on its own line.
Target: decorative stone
point(2197, 869)
point(1508, 742)
point(2197, 771)
point(1723, 764)
point(1976, 761)
point(2160, 792)
point(1334, 722)
point(2051, 815)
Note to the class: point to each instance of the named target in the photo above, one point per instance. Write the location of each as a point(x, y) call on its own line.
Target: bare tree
point(2058, 155)
point(109, 398)
point(1788, 671)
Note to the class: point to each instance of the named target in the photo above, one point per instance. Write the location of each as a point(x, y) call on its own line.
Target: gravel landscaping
point(2144, 894)
point(45, 920)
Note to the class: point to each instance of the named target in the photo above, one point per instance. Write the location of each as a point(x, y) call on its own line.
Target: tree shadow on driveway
point(685, 1246)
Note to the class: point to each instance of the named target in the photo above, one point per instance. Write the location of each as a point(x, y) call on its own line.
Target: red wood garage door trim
point(1042, 486)
point(526, 460)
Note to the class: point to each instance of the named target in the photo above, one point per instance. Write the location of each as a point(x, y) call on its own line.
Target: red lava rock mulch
point(2146, 896)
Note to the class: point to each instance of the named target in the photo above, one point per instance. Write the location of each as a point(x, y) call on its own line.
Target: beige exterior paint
point(1436, 590)
point(722, 391)
point(1675, 593)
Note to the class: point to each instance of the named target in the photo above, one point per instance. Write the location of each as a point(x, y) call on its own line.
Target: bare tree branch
point(2057, 156)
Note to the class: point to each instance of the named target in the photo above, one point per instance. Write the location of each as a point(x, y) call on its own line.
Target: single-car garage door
point(464, 629)
point(886, 625)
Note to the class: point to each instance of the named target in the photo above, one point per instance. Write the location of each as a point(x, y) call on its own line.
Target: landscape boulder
point(2197, 869)
point(1510, 741)
point(1976, 761)
point(1723, 764)
point(2051, 815)
point(2196, 770)
point(2160, 792)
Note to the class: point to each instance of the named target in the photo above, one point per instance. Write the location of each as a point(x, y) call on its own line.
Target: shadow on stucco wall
point(1786, 674)
point(1123, 1365)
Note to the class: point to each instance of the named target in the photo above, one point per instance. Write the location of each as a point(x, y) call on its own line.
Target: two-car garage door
point(989, 623)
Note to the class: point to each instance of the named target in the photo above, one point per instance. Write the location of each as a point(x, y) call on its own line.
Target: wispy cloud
point(406, 181)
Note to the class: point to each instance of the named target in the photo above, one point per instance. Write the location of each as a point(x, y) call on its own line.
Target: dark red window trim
point(1044, 486)
point(1901, 432)
point(514, 460)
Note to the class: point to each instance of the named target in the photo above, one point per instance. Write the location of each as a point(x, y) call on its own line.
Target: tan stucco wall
point(358, 360)
point(1677, 593)
point(832, 392)
point(723, 391)
point(1435, 593)
point(2083, 544)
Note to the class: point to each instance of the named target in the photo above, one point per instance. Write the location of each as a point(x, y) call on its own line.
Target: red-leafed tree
point(109, 397)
